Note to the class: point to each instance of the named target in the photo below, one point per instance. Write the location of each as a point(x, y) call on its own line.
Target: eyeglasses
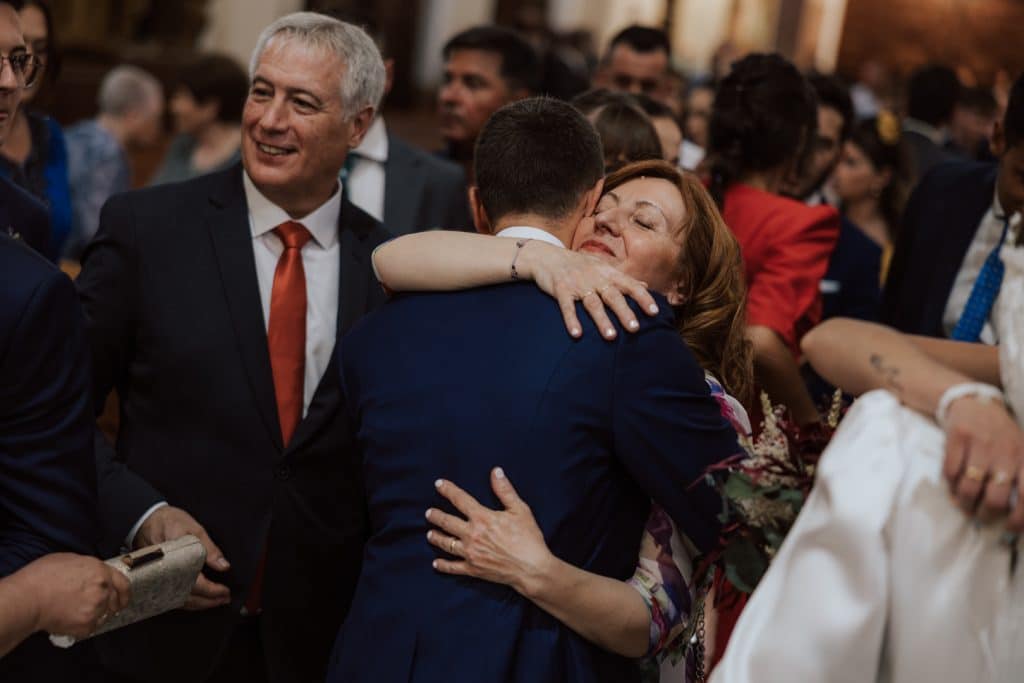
point(25, 66)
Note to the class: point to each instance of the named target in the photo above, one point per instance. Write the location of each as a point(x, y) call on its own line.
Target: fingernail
point(430, 535)
point(499, 473)
point(633, 324)
point(653, 308)
point(438, 483)
point(221, 563)
point(427, 514)
point(575, 331)
point(434, 564)
point(610, 332)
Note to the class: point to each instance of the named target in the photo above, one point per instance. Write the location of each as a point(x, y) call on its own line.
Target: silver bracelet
point(980, 390)
point(519, 247)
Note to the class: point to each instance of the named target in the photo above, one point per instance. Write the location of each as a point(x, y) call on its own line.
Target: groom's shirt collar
point(530, 233)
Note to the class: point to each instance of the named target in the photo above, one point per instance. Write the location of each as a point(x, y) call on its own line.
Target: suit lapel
point(403, 187)
point(227, 220)
point(960, 216)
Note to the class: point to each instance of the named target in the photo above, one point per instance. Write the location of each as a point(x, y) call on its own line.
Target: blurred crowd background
point(874, 45)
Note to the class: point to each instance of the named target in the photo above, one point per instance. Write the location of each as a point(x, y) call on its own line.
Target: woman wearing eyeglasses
point(34, 155)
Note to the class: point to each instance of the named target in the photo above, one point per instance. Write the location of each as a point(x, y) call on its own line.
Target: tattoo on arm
point(890, 373)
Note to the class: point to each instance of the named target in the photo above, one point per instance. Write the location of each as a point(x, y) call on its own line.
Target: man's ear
point(997, 145)
point(476, 207)
point(389, 75)
point(360, 124)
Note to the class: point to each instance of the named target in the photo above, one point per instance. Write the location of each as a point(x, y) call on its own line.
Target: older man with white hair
point(214, 306)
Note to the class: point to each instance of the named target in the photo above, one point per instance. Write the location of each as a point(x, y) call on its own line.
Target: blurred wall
point(983, 35)
point(232, 26)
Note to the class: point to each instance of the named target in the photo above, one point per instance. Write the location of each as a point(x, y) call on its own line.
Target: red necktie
point(286, 330)
point(286, 339)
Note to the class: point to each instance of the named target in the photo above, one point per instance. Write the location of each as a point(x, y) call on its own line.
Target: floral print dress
point(664, 575)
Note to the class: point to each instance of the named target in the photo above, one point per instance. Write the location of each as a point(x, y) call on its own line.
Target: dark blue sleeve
point(668, 428)
point(108, 287)
point(47, 471)
point(58, 190)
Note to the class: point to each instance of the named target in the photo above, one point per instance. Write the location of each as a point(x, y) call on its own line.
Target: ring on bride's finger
point(999, 477)
point(602, 290)
point(975, 473)
point(586, 294)
point(451, 547)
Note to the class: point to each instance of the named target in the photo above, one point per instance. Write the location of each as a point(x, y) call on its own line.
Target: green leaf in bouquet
point(739, 487)
point(744, 564)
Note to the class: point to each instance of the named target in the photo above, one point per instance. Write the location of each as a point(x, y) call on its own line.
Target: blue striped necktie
point(983, 295)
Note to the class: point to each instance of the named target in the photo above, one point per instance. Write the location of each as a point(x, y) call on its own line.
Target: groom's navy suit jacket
point(588, 431)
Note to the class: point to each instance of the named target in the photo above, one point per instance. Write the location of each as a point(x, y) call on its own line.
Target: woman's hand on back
point(500, 546)
point(569, 276)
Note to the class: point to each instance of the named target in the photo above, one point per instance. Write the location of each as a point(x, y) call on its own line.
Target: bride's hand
point(569, 277)
point(984, 458)
point(501, 546)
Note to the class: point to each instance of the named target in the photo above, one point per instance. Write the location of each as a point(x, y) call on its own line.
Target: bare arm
point(442, 260)
point(778, 374)
point(984, 445)
point(860, 357)
point(508, 547)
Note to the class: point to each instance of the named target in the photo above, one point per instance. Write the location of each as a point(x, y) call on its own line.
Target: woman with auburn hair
point(656, 224)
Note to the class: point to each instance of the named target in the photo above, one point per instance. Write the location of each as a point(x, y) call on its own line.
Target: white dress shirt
point(530, 233)
point(367, 174)
point(321, 262)
point(882, 577)
point(985, 239)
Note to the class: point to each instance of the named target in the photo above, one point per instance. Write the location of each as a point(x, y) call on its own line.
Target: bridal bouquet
point(763, 490)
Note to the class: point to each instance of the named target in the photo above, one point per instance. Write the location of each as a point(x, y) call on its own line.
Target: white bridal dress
point(882, 578)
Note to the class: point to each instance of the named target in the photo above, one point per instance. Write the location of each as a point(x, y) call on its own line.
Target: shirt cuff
point(130, 540)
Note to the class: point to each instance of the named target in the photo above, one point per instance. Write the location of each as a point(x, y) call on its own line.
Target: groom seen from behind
point(590, 431)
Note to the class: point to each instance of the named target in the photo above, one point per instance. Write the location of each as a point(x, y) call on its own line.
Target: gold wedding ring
point(975, 473)
point(999, 477)
point(451, 547)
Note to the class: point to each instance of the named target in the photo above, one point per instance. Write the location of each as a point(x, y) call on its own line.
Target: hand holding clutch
point(160, 579)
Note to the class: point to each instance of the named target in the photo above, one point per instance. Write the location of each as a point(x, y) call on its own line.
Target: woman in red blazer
point(764, 117)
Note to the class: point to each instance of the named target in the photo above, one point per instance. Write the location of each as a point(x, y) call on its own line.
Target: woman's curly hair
point(712, 315)
point(765, 115)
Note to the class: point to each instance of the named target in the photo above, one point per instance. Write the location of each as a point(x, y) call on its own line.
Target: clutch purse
point(161, 577)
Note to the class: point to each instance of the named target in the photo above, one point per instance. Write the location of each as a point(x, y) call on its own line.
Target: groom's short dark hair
point(537, 155)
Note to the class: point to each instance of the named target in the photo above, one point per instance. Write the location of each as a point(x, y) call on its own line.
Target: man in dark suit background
point(47, 471)
point(405, 188)
point(213, 308)
point(932, 94)
point(953, 222)
point(485, 68)
point(589, 429)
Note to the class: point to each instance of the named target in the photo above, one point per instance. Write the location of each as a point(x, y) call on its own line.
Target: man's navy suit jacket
point(47, 470)
point(589, 431)
point(939, 223)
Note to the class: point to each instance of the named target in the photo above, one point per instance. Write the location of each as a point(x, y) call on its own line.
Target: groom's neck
point(560, 228)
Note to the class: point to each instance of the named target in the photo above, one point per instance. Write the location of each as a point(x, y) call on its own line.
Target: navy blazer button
point(283, 473)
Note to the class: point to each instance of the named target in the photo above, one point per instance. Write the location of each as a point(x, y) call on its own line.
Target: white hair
point(128, 88)
point(362, 79)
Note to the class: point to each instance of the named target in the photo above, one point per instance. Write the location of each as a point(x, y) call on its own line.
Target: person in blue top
point(34, 155)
